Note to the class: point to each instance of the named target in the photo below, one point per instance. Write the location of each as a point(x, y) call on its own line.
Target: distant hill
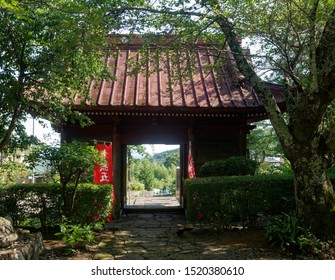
point(160, 157)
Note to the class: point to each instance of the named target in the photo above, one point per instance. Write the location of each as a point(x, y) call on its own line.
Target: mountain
point(160, 157)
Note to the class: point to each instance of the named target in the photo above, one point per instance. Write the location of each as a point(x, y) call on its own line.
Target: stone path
point(164, 236)
point(152, 201)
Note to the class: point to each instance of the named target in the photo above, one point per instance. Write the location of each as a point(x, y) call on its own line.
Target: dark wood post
point(117, 171)
point(243, 140)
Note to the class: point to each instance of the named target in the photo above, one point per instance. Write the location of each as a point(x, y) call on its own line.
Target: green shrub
point(93, 203)
point(22, 201)
point(234, 166)
point(44, 202)
point(213, 168)
point(75, 235)
point(285, 231)
point(222, 200)
point(136, 186)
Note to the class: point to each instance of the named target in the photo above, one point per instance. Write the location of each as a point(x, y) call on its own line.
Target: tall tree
point(48, 52)
point(296, 39)
point(299, 44)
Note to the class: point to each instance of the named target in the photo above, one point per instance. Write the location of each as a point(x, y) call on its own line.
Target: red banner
point(103, 174)
point(190, 162)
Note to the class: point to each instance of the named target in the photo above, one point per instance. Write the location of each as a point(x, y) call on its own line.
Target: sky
point(44, 132)
point(158, 148)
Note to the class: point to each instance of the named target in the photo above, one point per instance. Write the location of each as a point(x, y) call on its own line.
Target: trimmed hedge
point(233, 166)
point(93, 203)
point(44, 202)
point(220, 201)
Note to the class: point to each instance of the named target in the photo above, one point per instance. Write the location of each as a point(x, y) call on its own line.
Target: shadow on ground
point(166, 236)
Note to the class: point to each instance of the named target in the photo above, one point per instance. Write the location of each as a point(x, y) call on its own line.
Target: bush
point(219, 201)
point(212, 168)
point(31, 201)
point(234, 166)
point(44, 202)
point(93, 203)
point(285, 231)
point(75, 236)
point(136, 186)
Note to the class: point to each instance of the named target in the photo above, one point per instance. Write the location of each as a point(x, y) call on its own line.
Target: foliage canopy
point(49, 52)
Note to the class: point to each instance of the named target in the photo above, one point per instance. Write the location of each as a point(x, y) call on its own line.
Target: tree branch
point(16, 115)
point(156, 11)
point(264, 93)
point(314, 84)
point(325, 58)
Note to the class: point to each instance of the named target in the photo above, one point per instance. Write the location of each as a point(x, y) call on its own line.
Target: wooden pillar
point(124, 179)
point(183, 173)
point(243, 140)
point(117, 171)
point(66, 135)
point(191, 138)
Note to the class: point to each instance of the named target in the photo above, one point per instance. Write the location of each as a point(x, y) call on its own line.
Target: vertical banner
point(190, 162)
point(103, 174)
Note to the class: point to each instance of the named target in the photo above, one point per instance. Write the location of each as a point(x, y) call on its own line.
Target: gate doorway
point(153, 177)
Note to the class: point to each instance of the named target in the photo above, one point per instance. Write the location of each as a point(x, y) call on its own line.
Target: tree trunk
point(65, 200)
point(74, 193)
point(314, 194)
point(16, 115)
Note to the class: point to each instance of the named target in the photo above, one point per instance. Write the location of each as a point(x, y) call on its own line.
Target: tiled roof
point(149, 80)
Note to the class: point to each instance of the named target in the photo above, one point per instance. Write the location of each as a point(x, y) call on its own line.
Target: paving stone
point(102, 244)
point(135, 224)
point(150, 225)
point(140, 232)
point(171, 249)
point(163, 219)
point(103, 256)
point(165, 225)
point(118, 251)
point(154, 246)
point(145, 216)
point(156, 256)
point(135, 249)
point(122, 233)
point(129, 257)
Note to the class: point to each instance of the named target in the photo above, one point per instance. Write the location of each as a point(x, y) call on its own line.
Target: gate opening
point(153, 178)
